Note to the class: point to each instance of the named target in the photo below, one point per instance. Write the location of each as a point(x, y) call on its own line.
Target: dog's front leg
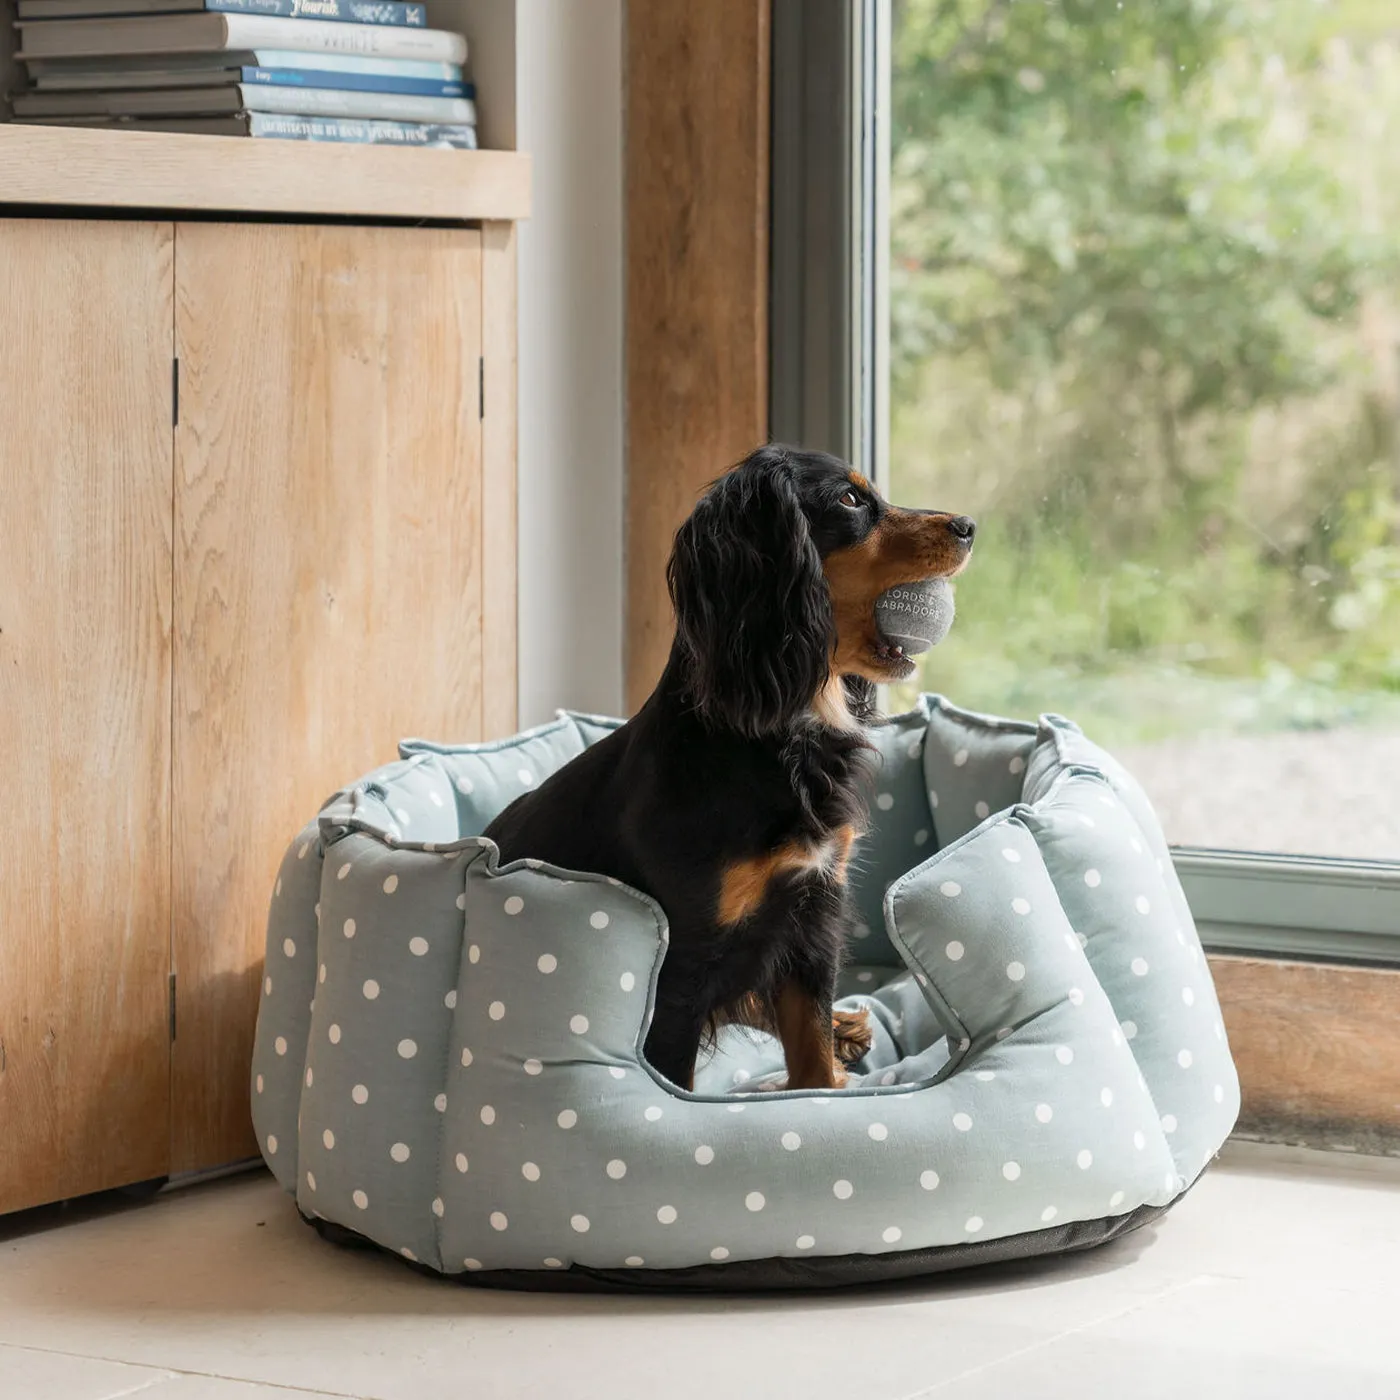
point(806, 1030)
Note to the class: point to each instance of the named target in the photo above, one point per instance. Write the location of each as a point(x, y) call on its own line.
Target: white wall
point(569, 117)
point(549, 81)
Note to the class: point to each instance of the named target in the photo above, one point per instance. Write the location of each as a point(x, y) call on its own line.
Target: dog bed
point(448, 1062)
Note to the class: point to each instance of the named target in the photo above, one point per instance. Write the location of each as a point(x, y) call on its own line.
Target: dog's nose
point(963, 526)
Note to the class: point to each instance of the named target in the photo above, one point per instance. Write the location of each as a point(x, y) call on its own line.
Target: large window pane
point(1145, 324)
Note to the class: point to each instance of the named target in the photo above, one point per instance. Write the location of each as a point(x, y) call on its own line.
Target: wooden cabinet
point(327, 510)
point(210, 616)
point(85, 590)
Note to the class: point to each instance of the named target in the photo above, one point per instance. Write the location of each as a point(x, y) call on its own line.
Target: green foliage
point(1101, 181)
point(1143, 263)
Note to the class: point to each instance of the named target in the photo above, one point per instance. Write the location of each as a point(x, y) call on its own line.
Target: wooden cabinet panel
point(328, 578)
point(85, 597)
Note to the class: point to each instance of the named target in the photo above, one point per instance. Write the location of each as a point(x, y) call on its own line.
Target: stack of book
point(313, 70)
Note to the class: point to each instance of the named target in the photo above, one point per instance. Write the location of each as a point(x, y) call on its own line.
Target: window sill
point(1304, 909)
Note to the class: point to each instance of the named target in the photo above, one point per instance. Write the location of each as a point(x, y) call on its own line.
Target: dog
point(735, 795)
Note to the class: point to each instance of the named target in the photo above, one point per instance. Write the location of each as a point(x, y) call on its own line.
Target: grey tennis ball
point(916, 616)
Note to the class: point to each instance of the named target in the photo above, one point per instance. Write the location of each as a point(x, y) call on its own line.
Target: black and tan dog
point(735, 795)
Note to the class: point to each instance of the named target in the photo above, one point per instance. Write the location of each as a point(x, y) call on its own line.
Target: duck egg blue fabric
point(448, 1054)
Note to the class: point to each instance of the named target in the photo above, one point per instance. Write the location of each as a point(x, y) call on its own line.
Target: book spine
point(354, 63)
point(369, 133)
point(367, 106)
point(391, 12)
point(352, 82)
point(371, 40)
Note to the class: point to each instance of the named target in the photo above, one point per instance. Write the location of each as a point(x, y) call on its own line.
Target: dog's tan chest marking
point(845, 840)
point(745, 884)
point(831, 706)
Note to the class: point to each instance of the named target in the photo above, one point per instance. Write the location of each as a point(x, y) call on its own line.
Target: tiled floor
point(1278, 1277)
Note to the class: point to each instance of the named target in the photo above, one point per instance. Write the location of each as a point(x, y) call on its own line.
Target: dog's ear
point(753, 615)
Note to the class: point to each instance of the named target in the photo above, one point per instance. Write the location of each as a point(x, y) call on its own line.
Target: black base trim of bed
point(773, 1275)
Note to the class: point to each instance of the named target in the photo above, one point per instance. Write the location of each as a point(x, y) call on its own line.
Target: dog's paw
point(852, 1034)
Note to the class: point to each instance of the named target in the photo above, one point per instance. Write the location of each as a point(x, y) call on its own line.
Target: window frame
point(829, 388)
point(828, 284)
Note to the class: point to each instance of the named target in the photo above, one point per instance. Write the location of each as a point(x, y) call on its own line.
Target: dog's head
point(775, 576)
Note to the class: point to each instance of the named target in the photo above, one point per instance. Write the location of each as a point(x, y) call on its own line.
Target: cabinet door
point(327, 578)
point(85, 579)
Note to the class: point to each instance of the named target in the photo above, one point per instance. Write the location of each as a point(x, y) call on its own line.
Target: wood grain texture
point(1317, 1048)
point(697, 173)
point(85, 571)
point(172, 170)
point(499, 546)
point(328, 578)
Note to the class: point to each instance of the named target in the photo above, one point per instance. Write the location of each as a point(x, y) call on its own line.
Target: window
point(1130, 277)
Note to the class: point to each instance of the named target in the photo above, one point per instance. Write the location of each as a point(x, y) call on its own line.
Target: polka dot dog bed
point(447, 1061)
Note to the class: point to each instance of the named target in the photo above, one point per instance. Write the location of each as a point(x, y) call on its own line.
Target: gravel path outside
point(1316, 792)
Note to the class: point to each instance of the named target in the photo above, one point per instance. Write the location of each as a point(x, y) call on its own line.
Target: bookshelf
point(65, 166)
point(58, 166)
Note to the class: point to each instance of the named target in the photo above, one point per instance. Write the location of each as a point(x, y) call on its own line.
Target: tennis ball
point(916, 616)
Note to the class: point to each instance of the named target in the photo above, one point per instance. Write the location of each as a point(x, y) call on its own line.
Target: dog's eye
point(851, 501)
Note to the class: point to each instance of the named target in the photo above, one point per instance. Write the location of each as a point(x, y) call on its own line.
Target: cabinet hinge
point(175, 393)
point(172, 1008)
point(480, 386)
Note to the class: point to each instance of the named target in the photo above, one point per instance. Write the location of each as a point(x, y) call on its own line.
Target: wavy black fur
point(753, 618)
